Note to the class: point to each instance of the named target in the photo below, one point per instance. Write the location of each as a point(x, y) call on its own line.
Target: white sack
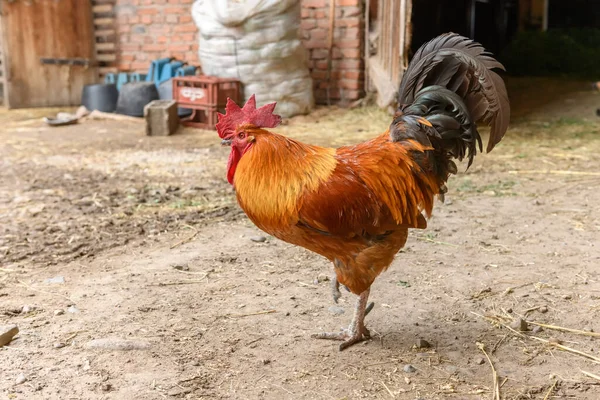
point(256, 41)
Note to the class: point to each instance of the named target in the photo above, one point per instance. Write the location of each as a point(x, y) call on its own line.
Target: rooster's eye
point(242, 135)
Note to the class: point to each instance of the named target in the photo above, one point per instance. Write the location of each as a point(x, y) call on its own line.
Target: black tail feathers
point(448, 87)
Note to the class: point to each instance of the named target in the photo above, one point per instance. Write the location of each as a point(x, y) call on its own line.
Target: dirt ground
point(132, 274)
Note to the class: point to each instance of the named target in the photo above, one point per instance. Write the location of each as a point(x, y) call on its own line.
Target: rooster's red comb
point(235, 116)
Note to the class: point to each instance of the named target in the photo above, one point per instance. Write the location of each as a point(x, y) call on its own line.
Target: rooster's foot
point(347, 335)
point(356, 332)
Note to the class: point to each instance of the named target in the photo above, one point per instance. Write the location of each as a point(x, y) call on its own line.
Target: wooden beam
point(104, 32)
point(105, 46)
point(102, 8)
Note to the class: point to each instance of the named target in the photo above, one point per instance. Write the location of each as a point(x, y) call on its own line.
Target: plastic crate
point(205, 90)
point(205, 96)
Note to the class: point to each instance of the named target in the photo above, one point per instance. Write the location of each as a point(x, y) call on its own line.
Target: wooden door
point(49, 51)
point(387, 66)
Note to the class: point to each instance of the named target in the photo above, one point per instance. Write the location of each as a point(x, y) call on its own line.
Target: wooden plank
point(104, 32)
point(104, 21)
point(105, 46)
point(102, 8)
point(106, 57)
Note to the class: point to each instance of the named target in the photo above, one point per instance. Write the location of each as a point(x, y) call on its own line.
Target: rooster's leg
point(335, 291)
point(356, 332)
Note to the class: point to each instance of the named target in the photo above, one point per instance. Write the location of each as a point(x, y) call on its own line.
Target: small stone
point(266, 361)
point(409, 369)
point(7, 333)
point(21, 379)
point(181, 267)
point(59, 312)
point(537, 329)
point(118, 344)
point(336, 310)
point(322, 278)
point(519, 325)
point(106, 387)
point(543, 309)
point(59, 345)
point(287, 314)
point(567, 297)
point(509, 310)
point(423, 344)
point(27, 309)
point(73, 309)
point(258, 239)
point(56, 279)
point(479, 360)
point(588, 329)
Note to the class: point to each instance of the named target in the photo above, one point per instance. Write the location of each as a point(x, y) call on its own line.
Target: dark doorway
point(491, 22)
point(573, 14)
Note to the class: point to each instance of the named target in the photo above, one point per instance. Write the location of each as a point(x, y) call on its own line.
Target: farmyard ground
point(153, 249)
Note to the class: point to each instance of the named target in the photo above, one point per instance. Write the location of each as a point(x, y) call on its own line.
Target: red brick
point(347, 23)
point(351, 53)
point(129, 47)
point(353, 75)
point(315, 44)
point(347, 64)
point(139, 66)
point(318, 34)
point(174, 10)
point(146, 19)
point(172, 19)
point(179, 47)
point(147, 11)
point(306, 13)
point(352, 33)
point(185, 28)
point(308, 23)
point(320, 14)
point(349, 43)
point(350, 84)
point(314, 3)
point(320, 64)
point(319, 54)
point(187, 37)
point(186, 19)
point(347, 2)
point(154, 47)
point(127, 57)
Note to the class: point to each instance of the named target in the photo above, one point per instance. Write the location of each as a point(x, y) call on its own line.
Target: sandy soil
point(108, 234)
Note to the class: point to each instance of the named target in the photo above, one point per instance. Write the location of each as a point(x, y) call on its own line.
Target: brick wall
point(151, 29)
point(347, 73)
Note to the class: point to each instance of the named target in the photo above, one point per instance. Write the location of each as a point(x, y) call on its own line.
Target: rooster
point(355, 204)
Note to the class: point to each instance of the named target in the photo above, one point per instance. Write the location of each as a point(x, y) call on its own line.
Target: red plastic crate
point(205, 95)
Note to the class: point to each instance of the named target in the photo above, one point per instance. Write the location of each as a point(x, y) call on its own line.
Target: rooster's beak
point(226, 142)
